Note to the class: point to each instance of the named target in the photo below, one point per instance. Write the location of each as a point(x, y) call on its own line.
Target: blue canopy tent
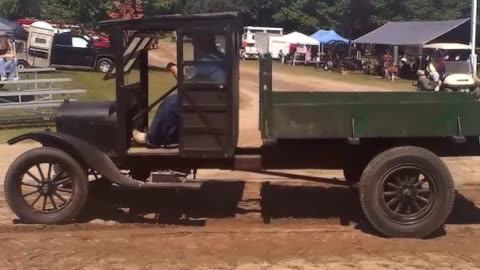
point(328, 36)
point(12, 29)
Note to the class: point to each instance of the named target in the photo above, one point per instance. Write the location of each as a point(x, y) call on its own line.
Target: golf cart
point(387, 143)
point(458, 75)
point(249, 50)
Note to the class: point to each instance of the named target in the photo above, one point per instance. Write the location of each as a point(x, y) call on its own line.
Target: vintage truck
point(389, 144)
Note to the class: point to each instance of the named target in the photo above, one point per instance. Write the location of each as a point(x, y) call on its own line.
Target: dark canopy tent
point(12, 29)
point(328, 36)
point(417, 33)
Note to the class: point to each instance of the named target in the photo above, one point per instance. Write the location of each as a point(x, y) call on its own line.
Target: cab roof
point(172, 22)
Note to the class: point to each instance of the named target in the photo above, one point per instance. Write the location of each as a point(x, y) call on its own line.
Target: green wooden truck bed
point(337, 115)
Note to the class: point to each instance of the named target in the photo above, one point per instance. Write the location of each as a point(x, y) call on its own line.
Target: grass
point(97, 90)
point(354, 78)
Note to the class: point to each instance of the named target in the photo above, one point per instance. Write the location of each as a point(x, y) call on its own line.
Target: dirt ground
point(302, 220)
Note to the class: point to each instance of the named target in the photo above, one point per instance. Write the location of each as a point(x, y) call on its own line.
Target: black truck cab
point(72, 51)
point(209, 122)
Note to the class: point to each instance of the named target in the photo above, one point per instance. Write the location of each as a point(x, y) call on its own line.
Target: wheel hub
point(407, 193)
point(104, 67)
point(46, 189)
point(406, 196)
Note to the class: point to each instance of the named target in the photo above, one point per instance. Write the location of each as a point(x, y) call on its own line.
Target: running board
point(123, 180)
point(186, 185)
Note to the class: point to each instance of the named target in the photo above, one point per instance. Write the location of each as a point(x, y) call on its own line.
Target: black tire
point(396, 179)
point(66, 196)
point(22, 65)
point(104, 65)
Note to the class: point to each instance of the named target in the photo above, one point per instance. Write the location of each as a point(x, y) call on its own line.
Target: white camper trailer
point(37, 51)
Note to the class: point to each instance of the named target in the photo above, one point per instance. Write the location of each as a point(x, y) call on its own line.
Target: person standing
point(433, 74)
point(387, 62)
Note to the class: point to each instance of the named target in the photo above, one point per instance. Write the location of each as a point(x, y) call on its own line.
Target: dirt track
point(315, 224)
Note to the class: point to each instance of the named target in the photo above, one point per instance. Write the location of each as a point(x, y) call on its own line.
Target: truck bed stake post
point(459, 138)
point(353, 140)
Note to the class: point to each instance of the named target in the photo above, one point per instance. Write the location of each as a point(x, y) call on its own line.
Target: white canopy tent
point(283, 43)
point(296, 38)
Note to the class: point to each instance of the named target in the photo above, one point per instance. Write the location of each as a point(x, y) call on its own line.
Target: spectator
point(442, 68)
point(433, 74)
point(405, 69)
point(282, 56)
point(387, 62)
point(8, 60)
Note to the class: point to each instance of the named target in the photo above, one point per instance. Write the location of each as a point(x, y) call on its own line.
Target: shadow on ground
point(464, 211)
point(216, 199)
point(224, 199)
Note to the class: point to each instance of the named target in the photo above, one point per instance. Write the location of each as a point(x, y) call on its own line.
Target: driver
point(208, 67)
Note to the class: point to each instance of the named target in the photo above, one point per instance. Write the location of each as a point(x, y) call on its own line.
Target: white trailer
point(251, 46)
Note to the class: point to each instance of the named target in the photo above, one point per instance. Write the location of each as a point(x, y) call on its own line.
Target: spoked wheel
point(407, 192)
point(46, 186)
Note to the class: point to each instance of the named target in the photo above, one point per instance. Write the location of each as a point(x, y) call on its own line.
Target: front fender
point(83, 152)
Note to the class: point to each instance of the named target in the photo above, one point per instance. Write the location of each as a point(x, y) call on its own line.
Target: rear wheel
point(46, 186)
point(104, 65)
point(407, 192)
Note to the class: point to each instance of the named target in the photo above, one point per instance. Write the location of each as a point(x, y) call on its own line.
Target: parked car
point(99, 40)
point(69, 51)
point(102, 42)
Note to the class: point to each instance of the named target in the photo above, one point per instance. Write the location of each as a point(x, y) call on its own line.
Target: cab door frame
point(209, 121)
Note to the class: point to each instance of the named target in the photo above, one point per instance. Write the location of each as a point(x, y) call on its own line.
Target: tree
point(28, 8)
point(7, 8)
point(437, 9)
point(298, 15)
point(158, 7)
point(349, 17)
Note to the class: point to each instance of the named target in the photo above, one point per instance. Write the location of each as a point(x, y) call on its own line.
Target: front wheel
point(104, 65)
point(407, 192)
point(46, 186)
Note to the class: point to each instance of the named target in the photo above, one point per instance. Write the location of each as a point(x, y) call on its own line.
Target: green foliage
point(349, 17)
point(157, 7)
point(7, 8)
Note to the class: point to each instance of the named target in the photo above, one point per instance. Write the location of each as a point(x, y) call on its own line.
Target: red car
point(99, 40)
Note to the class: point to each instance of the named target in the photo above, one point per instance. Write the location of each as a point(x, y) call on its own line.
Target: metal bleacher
point(28, 104)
